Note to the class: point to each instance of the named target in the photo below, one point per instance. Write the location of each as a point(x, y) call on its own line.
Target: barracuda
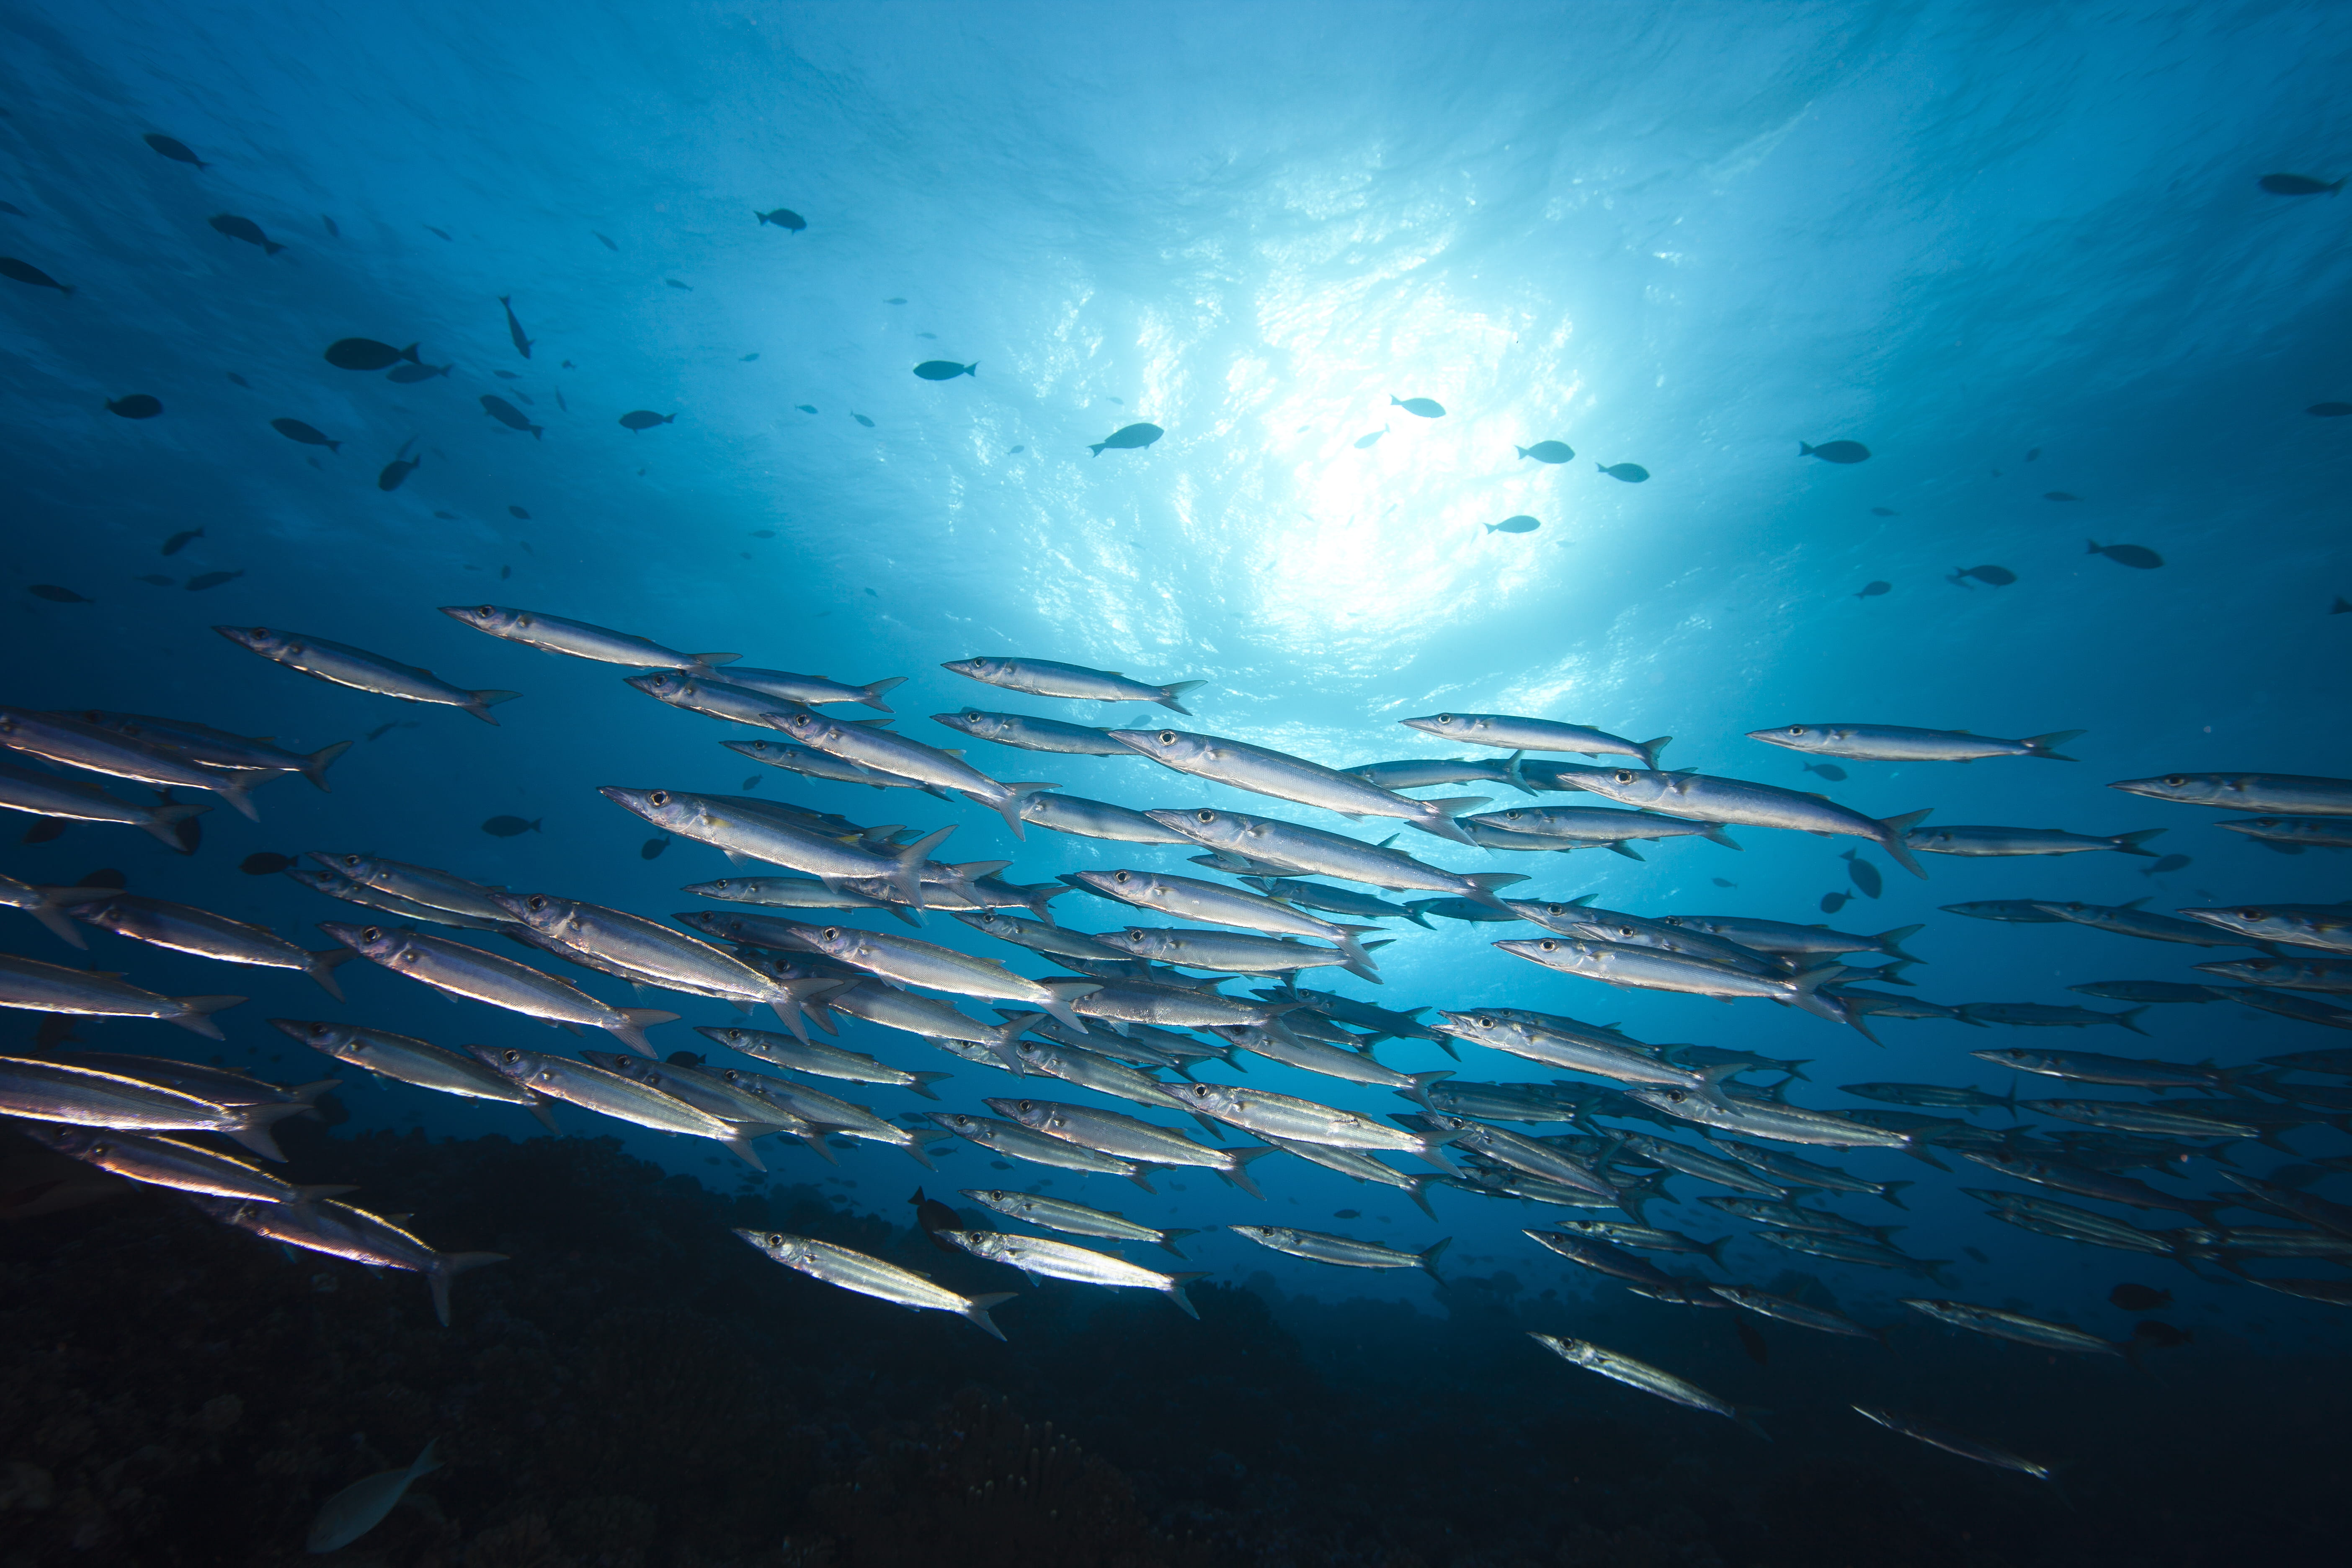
point(1310, 849)
point(1262, 770)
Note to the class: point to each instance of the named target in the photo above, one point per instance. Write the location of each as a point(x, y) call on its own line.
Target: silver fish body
point(1511, 732)
point(795, 758)
point(1310, 849)
point(1798, 1312)
point(1094, 819)
point(413, 1062)
point(1423, 772)
point(48, 906)
point(1575, 1052)
point(1349, 1066)
point(1045, 678)
point(1192, 899)
point(1346, 1251)
point(2295, 831)
point(1642, 1375)
point(1268, 1114)
point(848, 1270)
point(1222, 951)
point(648, 948)
point(875, 747)
point(1652, 969)
point(1033, 734)
point(2286, 795)
point(2323, 926)
point(1788, 941)
point(1767, 1119)
point(1901, 743)
point(339, 1230)
point(579, 639)
point(1040, 1258)
point(1036, 936)
point(214, 748)
point(1599, 825)
point(85, 1097)
point(1075, 1219)
point(2332, 975)
point(182, 928)
point(784, 893)
point(418, 885)
point(168, 1162)
point(609, 1093)
point(2005, 1325)
point(1952, 1442)
point(749, 834)
point(714, 699)
point(1015, 1141)
point(71, 800)
point(1127, 1137)
point(340, 664)
point(1983, 841)
point(1707, 798)
point(818, 1059)
point(933, 967)
point(74, 743)
point(812, 691)
point(460, 971)
point(1262, 770)
point(36, 987)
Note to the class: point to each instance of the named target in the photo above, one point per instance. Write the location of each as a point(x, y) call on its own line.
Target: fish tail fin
point(479, 704)
point(315, 765)
point(2130, 843)
point(2093, 545)
point(1437, 815)
point(1804, 449)
point(409, 353)
point(1891, 832)
point(1887, 1192)
point(1714, 1249)
point(60, 927)
point(2128, 1018)
point(1168, 1239)
point(539, 1107)
point(1807, 994)
point(253, 1125)
point(1512, 776)
point(1890, 942)
point(1142, 1178)
point(923, 1081)
point(871, 693)
point(1239, 1176)
point(163, 822)
point(798, 994)
point(1746, 1415)
point(1175, 1291)
point(1421, 1082)
point(1482, 890)
point(1428, 1255)
point(976, 1309)
point(739, 1139)
point(446, 1267)
point(1522, 451)
point(1096, 448)
point(2041, 745)
point(1417, 1189)
point(1064, 993)
point(237, 793)
point(1175, 688)
point(200, 1009)
point(1416, 916)
point(1350, 942)
point(1650, 749)
point(907, 875)
point(322, 966)
point(1918, 1151)
point(1008, 805)
point(1002, 1040)
point(635, 1022)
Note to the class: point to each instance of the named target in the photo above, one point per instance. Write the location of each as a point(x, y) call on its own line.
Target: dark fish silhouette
point(896, 299)
point(2136, 555)
point(138, 405)
point(1864, 874)
point(12, 210)
point(508, 415)
point(264, 863)
point(1363, 442)
point(505, 573)
point(2170, 863)
point(863, 420)
point(1998, 576)
point(2059, 495)
point(2139, 1298)
point(1721, 883)
point(2329, 410)
point(1884, 511)
point(395, 473)
point(2033, 454)
point(934, 1216)
point(788, 220)
point(442, 232)
point(181, 540)
point(1752, 1343)
point(1872, 589)
point(56, 595)
point(1631, 473)
point(366, 354)
point(608, 243)
point(2341, 608)
point(558, 401)
point(651, 849)
point(752, 782)
point(676, 284)
point(238, 379)
point(946, 369)
point(197, 584)
point(1836, 451)
point(2150, 1334)
point(507, 827)
point(156, 579)
point(1425, 407)
point(1519, 524)
point(44, 831)
point(638, 420)
point(2276, 185)
point(26, 272)
point(1829, 771)
point(246, 230)
point(517, 512)
point(174, 148)
point(805, 408)
point(1832, 902)
point(747, 358)
point(1547, 451)
point(506, 375)
point(514, 328)
point(407, 374)
point(1129, 438)
point(332, 231)
point(295, 430)
point(934, 337)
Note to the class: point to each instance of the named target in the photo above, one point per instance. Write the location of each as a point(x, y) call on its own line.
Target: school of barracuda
point(1140, 1014)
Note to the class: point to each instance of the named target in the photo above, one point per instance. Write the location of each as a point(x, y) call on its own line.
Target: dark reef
point(637, 1389)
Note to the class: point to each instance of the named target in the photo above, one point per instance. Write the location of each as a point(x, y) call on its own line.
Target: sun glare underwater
point(1086, 784)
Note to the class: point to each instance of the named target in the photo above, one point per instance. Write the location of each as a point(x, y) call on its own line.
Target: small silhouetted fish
point(763, 533)
point(514, 328)
point(896, 299)
point(1829, 771)
point(1980, 1257)
point(366, 354)
point(447, 516)
point(685, 1058)
point(558, 401)
point(442, 232)
point(1371, 440)
point(197, 584)
point(2329, 410)
point(2139, 1298)
point(2279, 185)
point(56, 595)
point(26, 272)
point(12, 210)
point(507, 827)
point(1872, 589)
point(934, 1216)
point(1347, 1214)
point(676, 284)
point(174, 148)
point(569, 366)
point(805, 408)
point(246, 230)
point(1519, 524)
point(1631, 473)
point(395, 473)
point(295, 430)
point(1721, 883)
point(506, 375)
point(2168, 864)
point(181, 540)
point(1425, 407)
point(747, 358)
point(2296, 1177)
point(1832, 902)
point(1864, 874)
point(946, 369)
point(752, 782)
point(2136, 555)
point(1752, 1343)
point(646, 419)
point(381, 731)
point(189, 832)
point(1018, 450)
point(2156, 1335)
point(43, 831)
point(138, 405)
point(157, 579)
point(608, 243)
point(1836, 451)
point(2059, 495)
point(264, 863)
point(238, 379)
point(999, 1165)
point(2033, 454)
point(332, 231)
point(863, 420)
point(1998, 576)
point(505, 573)
point(2341, 608)
point(787, 220)
point(1121, 402)
point(1884, 511)
point(508, 415)
point(1547, 451)
point(517, 512)
point(651, 849)
point(1128, 437)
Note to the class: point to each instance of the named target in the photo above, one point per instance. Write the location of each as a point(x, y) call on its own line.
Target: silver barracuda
point(1037, 936)
point(2124, 1072)
point(340, 664)
point(1074, 1219)
point(1644, 1239)
point(1795, 941)
point(1518, 1150)
point(1346, 1251)
point(1848, 1249)
point(71, 800)
point(1607, 1258)
point(1129, 1138)
point(1650, 969)
point(1383, 1023)
point(457, 970)
point(168, 1162)
point(1039, 1258)
point(2047, 1216)
point(785, 893)
point(784, 1103)
point(2325, 926)
point(1362, 1168)
point(2294, 832)
point(1699, 1164)
point(85, 1096)
point(72, 743)
point(749, 835)
point(1423, 772)
point(2046, 1016)
point(648, 948)
point(1350, 1066)
point(339, 1230)
point(1015, 1141)
point(182, 928)
point(48, 906)
point(1045, 678)
point(848, 1270)
point(1642, 1375)
point(221, 1086)
point(1599, 825)
point(1094, 819)
point(2126, 1116)
point(1901, 743)
point(1217, 904)
point(608, 1093)
point(875, 1002)
point(1225, 953)
point(812, 691)
point(1952, 1442)
point(1262, 770)
point(968, 889)
point(745, 1108)
point(214, 748)
point(795, 758)
point(555, 634)
point(1996, 842)
point(417, 885)
point(1788, 1170)
point(1310, 849)
point(1329, 899)
point(1769, 1119)
point(820, 1060)
point(1579, 919)
point(1270, 1115)
point(1707, 798)
point(719, 699)
point(912, 962)
point(411, 1061)
point(1796, 1312)
point(35, 987)
point(335, 884)
point(1510, 732)
point(873, 748)
point(1574, 1051)
point(2287, 794)
point(1998, 1324)
point(1033, 734)
point(1796, 1216)
point(2332, 975)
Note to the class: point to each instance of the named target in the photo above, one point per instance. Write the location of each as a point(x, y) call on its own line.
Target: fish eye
point(1167, 736)
point(370, 933)
point(489, 609)
point(511, 1056)
point(831, 933)
point(1119, 875)
point(2176, 780)
point(1484, 1023)
point(972, 718)
point(659, 797)
point(1205, 815)
point(2251, 915)
point(1675, 1095)
point(1622, 776)
point(1445, 718)
point(1796, 728)
point(1547, 945)
point(261, 631)
point(537, 902)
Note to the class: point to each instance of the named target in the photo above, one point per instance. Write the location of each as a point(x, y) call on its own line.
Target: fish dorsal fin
point(2135, 903)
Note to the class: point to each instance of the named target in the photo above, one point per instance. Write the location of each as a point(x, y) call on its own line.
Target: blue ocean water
point(2019, 252)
